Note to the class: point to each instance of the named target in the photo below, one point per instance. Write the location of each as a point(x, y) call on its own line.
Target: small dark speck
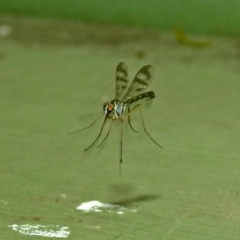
point(36, 218)
point(140, 54)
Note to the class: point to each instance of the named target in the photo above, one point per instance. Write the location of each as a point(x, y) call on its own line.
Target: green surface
point(199, 16)
point(189, 190)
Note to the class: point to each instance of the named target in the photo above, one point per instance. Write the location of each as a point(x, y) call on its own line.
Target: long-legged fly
point(120, 107)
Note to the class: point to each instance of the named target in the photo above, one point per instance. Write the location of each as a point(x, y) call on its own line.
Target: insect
point(120, 107)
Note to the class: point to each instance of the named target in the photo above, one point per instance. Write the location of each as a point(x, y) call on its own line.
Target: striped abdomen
point(148, 95)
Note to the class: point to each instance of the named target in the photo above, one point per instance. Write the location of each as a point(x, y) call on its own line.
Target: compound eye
point(110, 107)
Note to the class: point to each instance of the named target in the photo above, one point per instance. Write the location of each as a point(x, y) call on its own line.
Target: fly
point(120, 107)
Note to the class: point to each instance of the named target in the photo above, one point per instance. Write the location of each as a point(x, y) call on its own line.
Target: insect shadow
point(121, 190)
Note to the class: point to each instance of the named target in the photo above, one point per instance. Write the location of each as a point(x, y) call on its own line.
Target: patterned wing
point(141, 81)
point(121, 79)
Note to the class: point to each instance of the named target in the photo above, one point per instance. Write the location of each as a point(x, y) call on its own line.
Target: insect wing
point(141, 81)
point(121, 79)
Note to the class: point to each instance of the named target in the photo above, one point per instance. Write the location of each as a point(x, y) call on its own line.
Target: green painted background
point(55, 76)
point(204, 16)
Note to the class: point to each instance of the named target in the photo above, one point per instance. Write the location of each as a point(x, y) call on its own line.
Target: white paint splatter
point(96, 206)
point(41, 230)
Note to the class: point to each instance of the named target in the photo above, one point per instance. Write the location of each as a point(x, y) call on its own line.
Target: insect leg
point(129, 121)
point(105, 138)
point(85, 127)
point(135, 107)
point(98, 134)
point(121, 147)
point(145, 130)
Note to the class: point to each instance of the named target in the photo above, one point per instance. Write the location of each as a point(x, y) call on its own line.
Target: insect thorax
point(115, 109)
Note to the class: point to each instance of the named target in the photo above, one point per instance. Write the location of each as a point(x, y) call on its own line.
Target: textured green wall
point(205, 16)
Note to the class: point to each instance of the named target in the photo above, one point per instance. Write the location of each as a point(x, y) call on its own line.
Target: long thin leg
point(85, 127)
point(98, 134)
point(146, 129)
point(135, 107)
point(121, 147)
point(121, 137)
point(105, 138)
point(129, 121)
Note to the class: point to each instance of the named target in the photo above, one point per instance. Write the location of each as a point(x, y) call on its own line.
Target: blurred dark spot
point(140, 54)
point(39, 198)
point(36, 218)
